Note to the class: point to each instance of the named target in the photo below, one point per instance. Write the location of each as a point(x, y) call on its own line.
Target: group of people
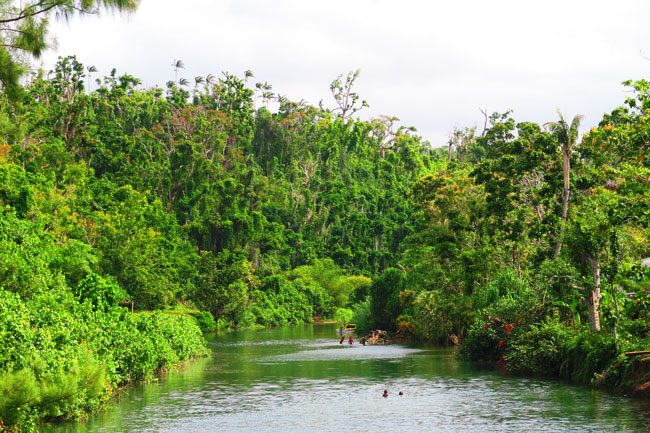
point(351, 340)
point(385, 395)
point(377, 336)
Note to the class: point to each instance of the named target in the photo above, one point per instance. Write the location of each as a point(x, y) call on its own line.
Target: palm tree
point(90, 70)
point(177, 65)
point(568, 137)
point(265, 93)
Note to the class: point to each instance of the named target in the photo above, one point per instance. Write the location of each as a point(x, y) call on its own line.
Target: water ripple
point(312, 384)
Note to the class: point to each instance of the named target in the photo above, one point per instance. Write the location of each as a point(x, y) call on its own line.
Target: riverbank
point(630, 376)
point(64, 358)
point(553, 349)
point(638, 384)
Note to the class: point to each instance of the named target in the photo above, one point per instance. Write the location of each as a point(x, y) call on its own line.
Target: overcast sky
point(430, 63)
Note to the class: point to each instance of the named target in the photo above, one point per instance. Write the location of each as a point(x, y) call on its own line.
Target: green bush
point(280, 302)
point(522, 309)
point(437, 316)
point(384, 298)
point(321, 301)
point(482, 342)
point(362, 316)
point(62, 358)
point(205, 321)
point(104, 293)
point(589, 353)
point(505, 283)
point(538, 350)
point(343, 315)
point(489, 337)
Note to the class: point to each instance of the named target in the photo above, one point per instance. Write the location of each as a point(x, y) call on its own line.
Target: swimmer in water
point(385, 393)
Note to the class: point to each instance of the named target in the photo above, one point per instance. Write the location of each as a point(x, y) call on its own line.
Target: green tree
point(223, 285)
point(384, 298)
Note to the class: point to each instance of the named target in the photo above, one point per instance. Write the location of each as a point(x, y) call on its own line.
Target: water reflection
point(301, 380)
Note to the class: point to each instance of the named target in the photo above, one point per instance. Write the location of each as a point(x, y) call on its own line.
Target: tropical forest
point(140, 223)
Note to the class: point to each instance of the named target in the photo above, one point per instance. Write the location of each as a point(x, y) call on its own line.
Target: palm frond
point(577, 120)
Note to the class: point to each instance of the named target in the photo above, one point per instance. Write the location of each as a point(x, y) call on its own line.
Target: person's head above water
point(385, 393)
point(401, 393)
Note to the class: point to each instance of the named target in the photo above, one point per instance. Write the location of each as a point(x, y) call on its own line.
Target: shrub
point(280, 302)
point(62, 358)
point(482, 343)
point(205, 321)
point(538, 350)
point(343, 315)
point(589, 353)
point(362, 316)
point(506, 283)
point(384, 298)
point(437, 316)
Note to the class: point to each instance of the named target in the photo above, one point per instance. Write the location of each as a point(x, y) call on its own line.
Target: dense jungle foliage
point(122, 206)
point(124, 200)
point(528, 246)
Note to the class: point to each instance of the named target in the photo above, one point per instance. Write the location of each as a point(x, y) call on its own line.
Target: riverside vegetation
point(133, 218)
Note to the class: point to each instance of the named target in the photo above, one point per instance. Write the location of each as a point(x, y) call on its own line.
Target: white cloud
point(431, 63)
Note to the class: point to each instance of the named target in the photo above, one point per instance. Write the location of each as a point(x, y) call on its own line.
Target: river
point(299, 379)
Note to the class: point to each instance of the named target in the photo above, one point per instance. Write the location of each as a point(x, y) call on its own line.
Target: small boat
point(347, 329)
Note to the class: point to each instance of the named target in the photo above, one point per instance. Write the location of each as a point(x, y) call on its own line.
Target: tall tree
point(23, 30)
point(568, 136)
point(345, 98)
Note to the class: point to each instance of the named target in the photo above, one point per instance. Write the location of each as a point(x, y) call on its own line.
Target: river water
point(299, 379)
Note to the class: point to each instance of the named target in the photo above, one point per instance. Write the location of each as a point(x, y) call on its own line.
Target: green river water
point(299, 379)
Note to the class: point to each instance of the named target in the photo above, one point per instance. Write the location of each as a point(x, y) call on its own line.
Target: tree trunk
point(566, 169)
point(565, 209)
point(593, 299)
